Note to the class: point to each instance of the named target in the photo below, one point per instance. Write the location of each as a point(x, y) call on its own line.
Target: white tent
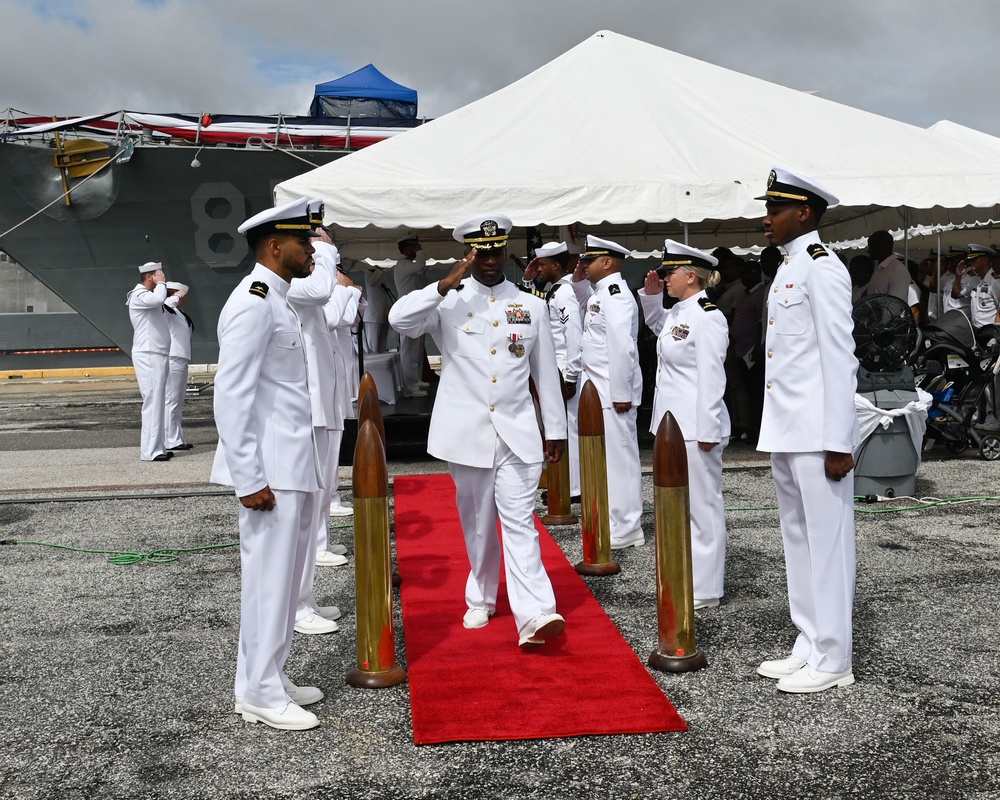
point(635, 140)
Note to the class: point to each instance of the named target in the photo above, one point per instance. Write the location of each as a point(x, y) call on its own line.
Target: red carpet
point(475, 685)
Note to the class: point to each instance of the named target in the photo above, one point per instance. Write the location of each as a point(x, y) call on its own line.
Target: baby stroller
point(959, 373)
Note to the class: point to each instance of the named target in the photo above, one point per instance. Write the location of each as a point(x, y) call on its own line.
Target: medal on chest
point(680, 332)
point(518, 315)
point(515, 346)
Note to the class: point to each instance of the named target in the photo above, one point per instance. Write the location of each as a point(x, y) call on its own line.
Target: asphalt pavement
point(116, 680)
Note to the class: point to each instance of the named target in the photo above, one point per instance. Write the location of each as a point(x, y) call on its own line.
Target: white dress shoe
point(314, 623)
point(287, 718)
point(710, 602)
point(328, 612)
point(808, 679)
point(300, 695)
point(476, 618)
point(341, 510)
point(541, 629)
point(326, 558)
point(422, 384)
point(633, 539)
point(337, 549)
point(781, 667)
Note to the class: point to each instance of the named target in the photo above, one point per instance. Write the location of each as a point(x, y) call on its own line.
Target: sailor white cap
point(787, 186)
point(550, 249)
point(410, 237)
point(676, 255)
point(150, 266)
point(291, 217)
point(602, 247)
point(485, 232)
point(977, 250)
point(316, 211)
point(180, 287)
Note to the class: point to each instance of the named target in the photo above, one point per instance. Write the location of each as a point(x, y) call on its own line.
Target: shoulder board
point(258, 288)
point(816, 251)
point(707, 304)
point(529, 290)
point(614, 288)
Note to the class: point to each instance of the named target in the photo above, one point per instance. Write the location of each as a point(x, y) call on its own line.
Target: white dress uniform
point(410, 275)
point(492, 339)
point(610, 358)
point(810, 382)
point(967, 287)
point(309, 296)
point(567, 334)
point(181, 328)
point(690, 383)
point(264, 417)
point(377, 313)
point(151, 360)
point(985, 301)
point(341, 315)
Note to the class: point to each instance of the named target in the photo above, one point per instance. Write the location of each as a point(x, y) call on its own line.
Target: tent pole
point(940, 302)
point(906, 237)
point(685, 233)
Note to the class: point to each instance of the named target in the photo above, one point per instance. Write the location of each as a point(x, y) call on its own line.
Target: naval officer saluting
point(493, 338)
point(810, 427)
point(148, 307)
point(267, 452)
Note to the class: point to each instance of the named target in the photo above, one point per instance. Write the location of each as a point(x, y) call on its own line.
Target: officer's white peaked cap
point(787, 186)
point(602, 247)
point(485, 232)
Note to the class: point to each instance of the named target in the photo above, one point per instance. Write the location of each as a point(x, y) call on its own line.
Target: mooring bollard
point(594, 487)
point(677, 649)
point(376, 665)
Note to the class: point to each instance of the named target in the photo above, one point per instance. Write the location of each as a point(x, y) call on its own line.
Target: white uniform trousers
point(505, 491)
point(177, 381)
point(274, 547)
point(151, 370)
point(621, 441)
point(333, 473)
point(411, 361)
point(320, 526)
point(817, 528)
point(573, 443)
point(708, 519)
point(376, 337)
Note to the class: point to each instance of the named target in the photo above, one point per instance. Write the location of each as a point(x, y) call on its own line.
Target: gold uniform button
point(470, 313)
point(493, 299)
point(493, 352)
point(494, 379)
point(769, 384)
point(770, 321)
point(770, 353)
point(496, 324)
point(491, 408)
point(775, 289)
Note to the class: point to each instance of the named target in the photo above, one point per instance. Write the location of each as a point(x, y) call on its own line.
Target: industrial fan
point(885, 337)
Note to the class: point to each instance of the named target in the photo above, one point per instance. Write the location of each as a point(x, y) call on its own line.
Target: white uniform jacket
point(408, 274)
point(690, 377)
point(610, 328)
point(150, 331)
point(180, 327)
point(262, 408)
point(567, 328)
point(809, 366)
point(341, 315)
point(985, 300)
point(492, 339)
point(308, 297)
point(379, 299)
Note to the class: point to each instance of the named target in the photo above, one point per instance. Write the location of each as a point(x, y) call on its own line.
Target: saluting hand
point(531, 271)
point(453, 278)
point(580, 271)
point(343, 280)
point(262, 500)
point(654, 283)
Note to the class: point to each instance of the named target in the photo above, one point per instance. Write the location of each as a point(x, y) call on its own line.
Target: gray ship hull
point(154, 207)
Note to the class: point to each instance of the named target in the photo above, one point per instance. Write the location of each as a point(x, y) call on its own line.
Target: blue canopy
point(364, 93)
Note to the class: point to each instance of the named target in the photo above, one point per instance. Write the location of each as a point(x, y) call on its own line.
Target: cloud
point(907, 59)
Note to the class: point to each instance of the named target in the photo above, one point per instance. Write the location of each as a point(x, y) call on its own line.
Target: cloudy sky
point(913, 60)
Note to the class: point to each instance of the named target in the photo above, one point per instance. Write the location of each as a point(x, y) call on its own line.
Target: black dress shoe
point(185, 446)
point(163, 457)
